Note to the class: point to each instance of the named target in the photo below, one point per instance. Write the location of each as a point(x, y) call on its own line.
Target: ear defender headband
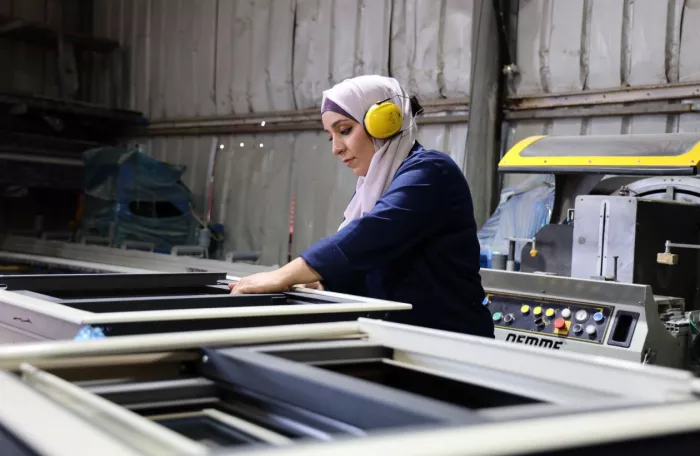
point(384, 119)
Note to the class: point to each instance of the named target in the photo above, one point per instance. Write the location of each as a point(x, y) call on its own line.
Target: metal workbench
point(96, 292)
point(365, 387)
point(84, 306)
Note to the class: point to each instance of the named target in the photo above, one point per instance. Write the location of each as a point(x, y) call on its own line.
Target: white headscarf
point(356, 96)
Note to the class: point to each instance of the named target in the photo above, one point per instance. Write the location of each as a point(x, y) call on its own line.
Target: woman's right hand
point(314, 286)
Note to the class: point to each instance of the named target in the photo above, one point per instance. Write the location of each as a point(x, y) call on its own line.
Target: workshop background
point(249, 75)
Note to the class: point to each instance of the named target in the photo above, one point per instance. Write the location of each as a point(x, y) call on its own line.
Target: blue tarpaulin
point(142, 198)
point(523, 210)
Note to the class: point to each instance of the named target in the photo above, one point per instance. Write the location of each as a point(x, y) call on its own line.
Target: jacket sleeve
point(412, 209)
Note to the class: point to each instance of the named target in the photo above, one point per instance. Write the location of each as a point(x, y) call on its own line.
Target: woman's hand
point(314, 286)
point(265, 282)
point(278, 281)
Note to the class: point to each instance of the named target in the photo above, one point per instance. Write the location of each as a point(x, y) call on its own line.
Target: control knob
point(578, 329)
point(590, 330)
point(539, 322)
point(508, 318)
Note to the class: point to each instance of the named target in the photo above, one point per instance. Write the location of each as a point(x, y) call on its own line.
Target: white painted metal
point(606, 375)
point(237, 312)
point(34, 353)
point(509, 439)
point(27, 303)
point(40, 318)
point(147, 436)
point(70, 263)
point(117, 260)
point(55, 440)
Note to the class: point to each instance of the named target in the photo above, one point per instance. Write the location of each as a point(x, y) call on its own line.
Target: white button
point(590, 330)
point(566, 313)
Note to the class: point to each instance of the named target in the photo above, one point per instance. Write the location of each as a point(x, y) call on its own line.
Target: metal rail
point(141, 433)
point(92, 282)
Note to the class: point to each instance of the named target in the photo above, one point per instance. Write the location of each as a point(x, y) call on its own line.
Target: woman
point(409, 233)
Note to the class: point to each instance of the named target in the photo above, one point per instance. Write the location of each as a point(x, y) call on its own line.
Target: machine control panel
point(554, 317)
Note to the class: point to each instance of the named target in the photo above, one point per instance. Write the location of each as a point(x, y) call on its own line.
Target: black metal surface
point(11, 267)
point(19, 29)
point(362, 404)
point(623, 328)
point(169, 326)
point(40, 175)
point(649, 145)
point(347, 352)
point(554, 244)
point(194, 394)
point(458, 393)
point(568, 187)
point(207, 431)
point(282, 417)
point(72, 107)
point(11, 445)
point(109, 281)
point(675, 443)
point(658, 221)
point(130, 394)
point(141, 304)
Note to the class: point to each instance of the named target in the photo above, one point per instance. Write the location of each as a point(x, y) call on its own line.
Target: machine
point(365, 387)
point(595, 317)
point(600, 278)
point(70, 298)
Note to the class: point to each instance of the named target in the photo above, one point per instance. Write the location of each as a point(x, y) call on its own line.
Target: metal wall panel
point(188, 59)
point(29, 68)
point(573, 45)
point(251, 186)
point(229, 57)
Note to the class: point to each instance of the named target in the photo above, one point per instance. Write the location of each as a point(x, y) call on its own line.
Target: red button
point(559, 323)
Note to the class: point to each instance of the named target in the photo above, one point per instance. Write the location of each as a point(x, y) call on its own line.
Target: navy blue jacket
point(418, 245)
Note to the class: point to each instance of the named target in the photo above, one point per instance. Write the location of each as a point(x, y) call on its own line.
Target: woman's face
point(350, 142)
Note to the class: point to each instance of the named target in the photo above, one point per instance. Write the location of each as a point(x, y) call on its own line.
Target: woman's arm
point(414, 208)
point(293, 273)
point(410, 211)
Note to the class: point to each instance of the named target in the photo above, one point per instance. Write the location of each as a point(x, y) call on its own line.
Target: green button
point(497, 316)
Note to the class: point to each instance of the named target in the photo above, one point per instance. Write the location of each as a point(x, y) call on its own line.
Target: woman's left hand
point(265, 282)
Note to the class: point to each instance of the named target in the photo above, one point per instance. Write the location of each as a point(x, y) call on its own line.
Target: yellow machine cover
point(650, 154)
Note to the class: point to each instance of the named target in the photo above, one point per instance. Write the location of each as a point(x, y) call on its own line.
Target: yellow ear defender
point(383, 120)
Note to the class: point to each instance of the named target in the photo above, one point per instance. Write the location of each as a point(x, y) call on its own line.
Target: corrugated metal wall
point(28, 68)
point(205, 58)
point(573, 45)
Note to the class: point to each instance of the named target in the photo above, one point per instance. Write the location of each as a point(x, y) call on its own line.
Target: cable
point(693, 325)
